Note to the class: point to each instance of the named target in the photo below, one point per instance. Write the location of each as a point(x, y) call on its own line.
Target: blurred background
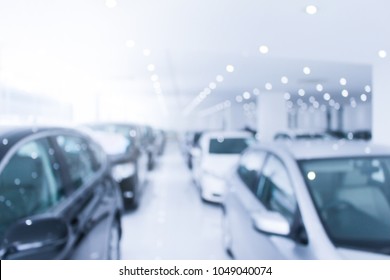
point(175, 69)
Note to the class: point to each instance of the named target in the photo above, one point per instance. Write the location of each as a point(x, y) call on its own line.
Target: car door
point(31, 187)
point(275, 193)
point(241, 202)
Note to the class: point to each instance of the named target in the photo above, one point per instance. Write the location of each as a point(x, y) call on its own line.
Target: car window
point(98, 155)
point(30, 183)
point(249, 168)
point(78, 158)
point(352, 197)
point(223, 145)
point(275, 190)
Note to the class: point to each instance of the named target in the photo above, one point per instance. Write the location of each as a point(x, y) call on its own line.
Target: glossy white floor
point(172, 222)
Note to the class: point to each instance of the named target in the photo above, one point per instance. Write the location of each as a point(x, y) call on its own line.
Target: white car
point(310, 200)
point(218, 154)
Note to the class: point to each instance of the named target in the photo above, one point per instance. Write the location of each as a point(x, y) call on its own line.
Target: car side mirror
point(39, 238)
point(271, 222)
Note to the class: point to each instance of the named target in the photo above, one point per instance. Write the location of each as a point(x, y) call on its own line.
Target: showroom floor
point(172, 222)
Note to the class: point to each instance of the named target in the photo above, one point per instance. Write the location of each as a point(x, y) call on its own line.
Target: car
point(191, 145)
point(309, 200)
point(58, 199)
point(123, 157)
point(218, 152)
point(135, 151)
point(296, 135)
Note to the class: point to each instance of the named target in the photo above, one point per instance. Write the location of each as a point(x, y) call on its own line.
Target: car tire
point(113, 250)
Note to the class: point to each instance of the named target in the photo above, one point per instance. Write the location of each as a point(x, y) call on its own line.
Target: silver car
point(310, 200)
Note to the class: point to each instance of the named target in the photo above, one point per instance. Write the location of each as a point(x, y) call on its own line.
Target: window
point(250, 166)
point(228, 145)
point(30, 183)
point(78, 158)
point(352, 197)
point(275, 190)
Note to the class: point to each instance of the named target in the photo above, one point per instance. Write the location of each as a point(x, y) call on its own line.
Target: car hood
point(351, 254)
point(219, 165)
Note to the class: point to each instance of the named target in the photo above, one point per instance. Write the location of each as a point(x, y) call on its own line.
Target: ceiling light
point(219, 78)
point(239, 98)
point(344, 93)
point(111, 3)
point(316, 104)
point(151, 67)
point(363, 97)
point(301, 92)
point(312, 99)
point(154, 78)
point(337, 106)
point(331, 102)
point(343, 81)
point(284, 80)
point(263, 49)
point(207, 91)
point(299, 101)
point(382, 53)
point(130, 43)
point(212, 85)
point(319, 87)
point(268, 86)
point(327, 96)
point(246, 95)
point(287, 96)
point(146, 52)
point(227, 104)
point(311, 10)
point(306, 70)
point(367, 88)
point(256, 91)
point(230, 68)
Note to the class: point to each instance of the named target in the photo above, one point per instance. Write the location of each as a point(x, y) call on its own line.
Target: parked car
point(191, 145)
point(123, 157)
point(135, 152)
point(218, 154)
point(296, 135)
point(58, 199)
point(310, 201)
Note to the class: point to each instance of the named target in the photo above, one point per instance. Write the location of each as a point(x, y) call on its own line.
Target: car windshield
point(352, 197)
point(223, 145)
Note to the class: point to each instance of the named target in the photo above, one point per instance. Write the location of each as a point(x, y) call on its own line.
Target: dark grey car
point(58, 199)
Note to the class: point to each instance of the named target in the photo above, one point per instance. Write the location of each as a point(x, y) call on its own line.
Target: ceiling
point(110, 46)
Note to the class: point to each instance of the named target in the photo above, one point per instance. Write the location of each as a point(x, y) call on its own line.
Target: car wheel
point(114, 242)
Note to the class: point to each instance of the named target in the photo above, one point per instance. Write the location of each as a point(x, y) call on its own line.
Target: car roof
point(301, 150)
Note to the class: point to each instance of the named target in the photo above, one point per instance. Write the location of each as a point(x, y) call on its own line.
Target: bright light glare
point(301, 92)
point(212, 85)
point(363, 97)
point(343, 81)
point(367, 88)
point(311, 10)
point(382, 53)
point(268, 86)
point(239, 98)
point(219, 78)
point(263, 49)
point(345, 93)
point(306, 70)
point(284, 80)
point(319, 87)
point(230, 68)
point(327, 96)
point(246, 95)
point(287, 96)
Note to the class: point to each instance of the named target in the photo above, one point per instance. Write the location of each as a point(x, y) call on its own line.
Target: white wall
point(381, 102)
point(358, 118)
point(271, 115)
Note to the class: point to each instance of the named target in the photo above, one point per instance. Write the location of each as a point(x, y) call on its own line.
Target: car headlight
point(123, 171)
